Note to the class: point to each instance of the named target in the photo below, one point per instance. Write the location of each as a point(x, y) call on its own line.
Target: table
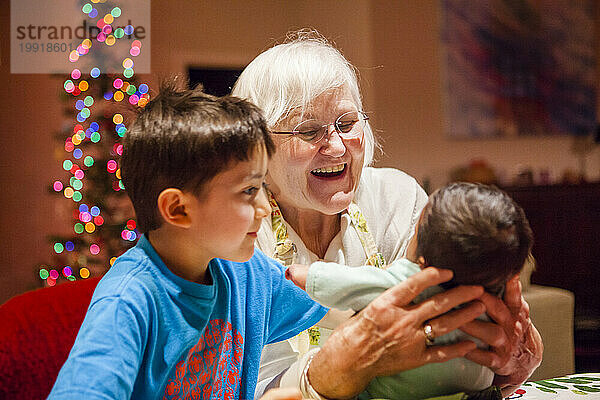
point(577, 386)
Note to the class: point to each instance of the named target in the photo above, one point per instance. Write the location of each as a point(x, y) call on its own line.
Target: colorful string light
point(89, 217)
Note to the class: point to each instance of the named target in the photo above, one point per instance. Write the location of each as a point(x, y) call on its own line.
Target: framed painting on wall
point(519, 67)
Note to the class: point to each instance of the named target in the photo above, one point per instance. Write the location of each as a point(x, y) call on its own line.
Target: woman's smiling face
point(322, 177)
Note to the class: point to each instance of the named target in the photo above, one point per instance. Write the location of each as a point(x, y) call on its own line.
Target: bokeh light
point(58, 248)
point(143, 88)
point(84, 273)
point(111, 166)
point(78, 228)
point(58, 186)
point(90, 227)
point(94, 249)
point(95, 72)
point(85, 217)
point(95, 137)
point(69, 86)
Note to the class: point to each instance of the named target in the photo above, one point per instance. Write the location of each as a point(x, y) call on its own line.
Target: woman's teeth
point(329, 171)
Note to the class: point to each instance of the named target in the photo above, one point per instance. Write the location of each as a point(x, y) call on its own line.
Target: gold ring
point(428, 331)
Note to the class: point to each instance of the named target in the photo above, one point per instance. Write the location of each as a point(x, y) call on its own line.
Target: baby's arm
point(343, 287)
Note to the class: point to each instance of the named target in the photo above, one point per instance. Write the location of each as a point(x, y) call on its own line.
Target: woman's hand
point(515, 344)
point(388, 337)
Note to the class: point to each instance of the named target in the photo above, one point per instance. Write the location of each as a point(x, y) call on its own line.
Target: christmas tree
point(91, 189)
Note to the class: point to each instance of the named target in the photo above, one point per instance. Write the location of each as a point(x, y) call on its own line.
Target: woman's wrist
point(337, 371)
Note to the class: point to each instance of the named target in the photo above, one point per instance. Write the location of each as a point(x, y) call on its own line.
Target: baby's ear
point(422, 262)
point(172, 204)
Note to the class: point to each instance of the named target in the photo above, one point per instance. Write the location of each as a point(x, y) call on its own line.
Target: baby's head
point(476, 230)
point(182, 139)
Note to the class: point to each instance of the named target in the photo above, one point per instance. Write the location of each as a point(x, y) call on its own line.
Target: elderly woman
point(328, 204)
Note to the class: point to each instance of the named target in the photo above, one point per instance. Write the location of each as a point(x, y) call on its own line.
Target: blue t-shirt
point(149, 334)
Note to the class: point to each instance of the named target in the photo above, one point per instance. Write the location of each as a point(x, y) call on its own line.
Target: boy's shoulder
point(261, 260)
point(131, 275)
point(260, 265)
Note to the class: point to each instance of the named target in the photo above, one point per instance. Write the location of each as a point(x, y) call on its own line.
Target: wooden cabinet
point(565, 220)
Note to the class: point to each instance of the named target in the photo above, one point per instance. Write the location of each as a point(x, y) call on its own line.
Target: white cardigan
point(391, 202)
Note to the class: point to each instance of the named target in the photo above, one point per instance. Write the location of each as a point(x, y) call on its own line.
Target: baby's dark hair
point(182, 139)
point(477, 231)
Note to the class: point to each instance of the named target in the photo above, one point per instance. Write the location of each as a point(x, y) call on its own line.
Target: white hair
point(291, 75)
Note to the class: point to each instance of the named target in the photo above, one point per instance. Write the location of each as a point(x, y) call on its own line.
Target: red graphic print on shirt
point(211, 368)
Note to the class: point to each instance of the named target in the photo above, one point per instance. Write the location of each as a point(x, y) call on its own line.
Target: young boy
point(477, 231)
point(186, 312)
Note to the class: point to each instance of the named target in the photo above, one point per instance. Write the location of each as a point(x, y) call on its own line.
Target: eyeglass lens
point(348, 125)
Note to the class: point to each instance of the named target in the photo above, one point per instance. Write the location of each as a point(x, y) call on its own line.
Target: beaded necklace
point(285, 249)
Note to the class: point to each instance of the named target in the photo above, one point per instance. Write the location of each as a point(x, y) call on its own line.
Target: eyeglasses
point(349, 125)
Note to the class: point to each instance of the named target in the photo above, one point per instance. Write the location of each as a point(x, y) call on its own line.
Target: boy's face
point(227, 216)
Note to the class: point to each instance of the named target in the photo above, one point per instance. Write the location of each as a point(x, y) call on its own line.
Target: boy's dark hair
point(182, 139)
point(476, 230)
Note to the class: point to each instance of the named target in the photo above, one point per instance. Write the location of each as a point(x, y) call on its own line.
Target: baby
point(477, 231)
